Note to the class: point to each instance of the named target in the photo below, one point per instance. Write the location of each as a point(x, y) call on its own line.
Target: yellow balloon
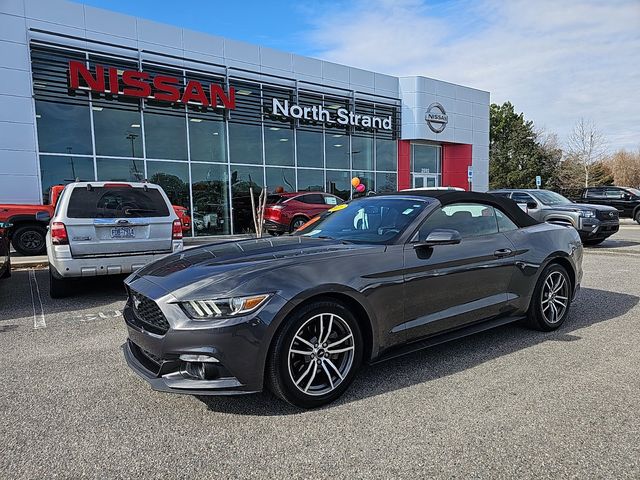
point(355, 181)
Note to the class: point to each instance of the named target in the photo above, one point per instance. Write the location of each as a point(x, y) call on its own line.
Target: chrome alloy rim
point(321, 354)
point(555, 297)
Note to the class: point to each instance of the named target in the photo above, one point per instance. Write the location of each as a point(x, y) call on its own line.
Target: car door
point(617, 198)
point(450, 286)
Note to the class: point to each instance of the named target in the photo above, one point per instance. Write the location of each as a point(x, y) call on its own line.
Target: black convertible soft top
point(447, 197)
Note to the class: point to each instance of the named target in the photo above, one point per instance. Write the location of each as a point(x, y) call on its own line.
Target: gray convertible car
point(366, 281)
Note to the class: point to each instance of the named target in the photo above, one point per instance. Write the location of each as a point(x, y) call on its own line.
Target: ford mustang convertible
point(366, 281)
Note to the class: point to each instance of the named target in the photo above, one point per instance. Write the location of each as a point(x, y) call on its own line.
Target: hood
point(576, 207)
point(226, 263)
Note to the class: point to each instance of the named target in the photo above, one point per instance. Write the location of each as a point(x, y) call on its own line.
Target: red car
point(286, 212)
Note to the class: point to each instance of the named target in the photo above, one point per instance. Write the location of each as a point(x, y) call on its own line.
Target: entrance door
point(421, 180)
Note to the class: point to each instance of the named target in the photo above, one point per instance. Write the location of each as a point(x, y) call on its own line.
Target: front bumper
point(592, 229)
point(240, 345)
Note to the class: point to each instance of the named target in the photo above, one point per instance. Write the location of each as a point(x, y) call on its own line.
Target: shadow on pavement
point(591, 307)
point(615, 244)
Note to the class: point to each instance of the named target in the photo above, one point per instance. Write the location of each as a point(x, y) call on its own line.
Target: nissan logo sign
point(436, 117)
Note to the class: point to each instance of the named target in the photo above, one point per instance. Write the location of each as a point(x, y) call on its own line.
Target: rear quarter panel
point(536, 247)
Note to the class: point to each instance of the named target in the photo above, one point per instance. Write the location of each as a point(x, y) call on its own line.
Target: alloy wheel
point(321, 354)
point(31, 240)
point(555, 297)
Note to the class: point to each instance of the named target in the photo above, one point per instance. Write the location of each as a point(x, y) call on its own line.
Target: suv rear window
point(273, 199)
point(116, 202)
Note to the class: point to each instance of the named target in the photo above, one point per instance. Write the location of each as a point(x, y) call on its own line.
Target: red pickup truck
point(28, 234)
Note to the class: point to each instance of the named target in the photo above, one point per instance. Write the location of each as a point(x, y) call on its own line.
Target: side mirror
point(43, 216)
point(532, 205)
point(439, 236)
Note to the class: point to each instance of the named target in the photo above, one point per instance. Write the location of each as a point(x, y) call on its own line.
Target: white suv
point(107, 228)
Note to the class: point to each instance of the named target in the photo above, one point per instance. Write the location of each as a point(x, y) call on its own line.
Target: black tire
point(296, 223)
point(540, 315)
point(30, 240)
point(58, 287)
point(283, 365)
point(637, 217)
point(592, 242)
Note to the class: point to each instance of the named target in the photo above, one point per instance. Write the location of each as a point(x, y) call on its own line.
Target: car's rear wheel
point(551, 299)
point(29, 240)
point(637, 217)
point(315, 355)
point(296, 223)
point(58, 287)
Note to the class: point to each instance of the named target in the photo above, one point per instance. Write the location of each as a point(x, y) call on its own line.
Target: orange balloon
point(355, 181)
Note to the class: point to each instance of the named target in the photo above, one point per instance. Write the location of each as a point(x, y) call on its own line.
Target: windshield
point(377, 220)
point(551, 198)
point(635, 191)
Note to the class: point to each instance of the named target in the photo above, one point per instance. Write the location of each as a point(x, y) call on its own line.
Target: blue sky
point(555, 61)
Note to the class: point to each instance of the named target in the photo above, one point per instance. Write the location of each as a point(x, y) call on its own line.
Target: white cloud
point(555, 61)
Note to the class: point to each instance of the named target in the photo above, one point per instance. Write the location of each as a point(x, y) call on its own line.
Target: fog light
point(200, 371)
point(198, 358)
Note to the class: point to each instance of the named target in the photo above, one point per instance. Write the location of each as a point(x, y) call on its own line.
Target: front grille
point(605, 215)
point(148, 313)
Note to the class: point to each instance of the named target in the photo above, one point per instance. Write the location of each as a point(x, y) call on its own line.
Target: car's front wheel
point(551, 299)
point(315, 355)
point(637, 217)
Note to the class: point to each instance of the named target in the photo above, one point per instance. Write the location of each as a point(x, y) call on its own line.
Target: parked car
point(27, 233)
point(103, 228)
point(5, 255)
point(366, 281)
point(625, 199)
point(286, 212)
point(594, 223)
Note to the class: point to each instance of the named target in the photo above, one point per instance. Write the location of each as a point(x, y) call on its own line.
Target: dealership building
point(91, 94)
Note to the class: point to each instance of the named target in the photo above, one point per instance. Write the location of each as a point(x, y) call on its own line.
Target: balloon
point(355, 181)
point(360, 188)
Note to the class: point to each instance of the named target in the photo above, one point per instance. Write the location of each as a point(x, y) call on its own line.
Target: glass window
point(338, 183)
point(386, 154)
point(63, 128)
point(614, 193)
point(278, 146)
point(595, 193)
point(310, 149)
point(469, 219)
point(376, 220)
point(386, 182)
point(337, 149)
point(362, 152)
point(60, 170)
point(426, 158)
point(117, 131)
point(282, 179)
point(116, 202)
point(207, 140)
point(173, 177)
point(310, 180)
point(521, 197)
point(245, 143)
point(210, 186)
point(120, 170)
point(165, 136)
point(242, 179)
point(314, 199)
point(504, 223)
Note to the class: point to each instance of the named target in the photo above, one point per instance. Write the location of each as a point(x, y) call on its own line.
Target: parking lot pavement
point(508, 403)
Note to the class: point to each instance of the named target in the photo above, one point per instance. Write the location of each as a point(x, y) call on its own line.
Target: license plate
point(123, 232)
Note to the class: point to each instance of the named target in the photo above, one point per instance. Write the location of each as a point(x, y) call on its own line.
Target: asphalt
point(508, 403)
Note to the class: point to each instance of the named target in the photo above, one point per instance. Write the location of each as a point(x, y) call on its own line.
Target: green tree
point(517, 153)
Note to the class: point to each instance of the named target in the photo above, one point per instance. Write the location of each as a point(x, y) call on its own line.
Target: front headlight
point(223, 308)
point(587, 213)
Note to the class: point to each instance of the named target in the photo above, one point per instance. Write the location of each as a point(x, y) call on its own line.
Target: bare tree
point(586, 145)
point(626, 168)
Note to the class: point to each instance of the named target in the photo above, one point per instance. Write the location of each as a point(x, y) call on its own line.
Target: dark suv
point(286, 212)
point(625, 199)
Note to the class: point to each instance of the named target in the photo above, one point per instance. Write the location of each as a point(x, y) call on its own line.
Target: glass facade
point(426, 165)
point(208, 160)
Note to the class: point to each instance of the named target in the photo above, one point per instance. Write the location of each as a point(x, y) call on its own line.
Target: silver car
point(594, 223)
point(107, 228)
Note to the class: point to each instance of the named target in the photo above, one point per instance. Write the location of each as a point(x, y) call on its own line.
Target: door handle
point(503, 252)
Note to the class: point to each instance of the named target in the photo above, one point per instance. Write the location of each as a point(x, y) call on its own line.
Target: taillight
point(59, 234)
point(177, 230)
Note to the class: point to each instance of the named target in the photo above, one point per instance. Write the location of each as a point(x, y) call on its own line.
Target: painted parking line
point(36, 301)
